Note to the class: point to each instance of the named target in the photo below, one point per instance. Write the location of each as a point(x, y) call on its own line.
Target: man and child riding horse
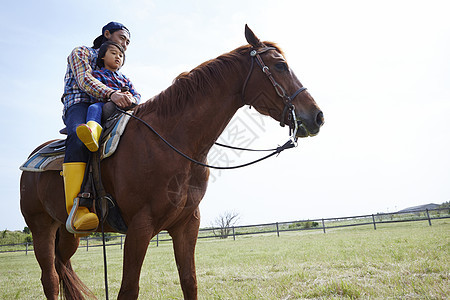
point(92, 79)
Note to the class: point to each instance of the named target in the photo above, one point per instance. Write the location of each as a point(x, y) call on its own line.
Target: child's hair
point(102, 51)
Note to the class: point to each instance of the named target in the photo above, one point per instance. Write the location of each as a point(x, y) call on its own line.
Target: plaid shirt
point(79, 84)
point(115, 80)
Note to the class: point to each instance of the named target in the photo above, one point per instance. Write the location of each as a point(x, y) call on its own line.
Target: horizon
point(404, 210)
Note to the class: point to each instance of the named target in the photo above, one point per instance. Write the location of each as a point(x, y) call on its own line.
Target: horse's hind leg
point(44, 229)
point(184, 240)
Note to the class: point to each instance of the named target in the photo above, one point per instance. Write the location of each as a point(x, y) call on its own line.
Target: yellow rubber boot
point(89, 134)
point(83, 219)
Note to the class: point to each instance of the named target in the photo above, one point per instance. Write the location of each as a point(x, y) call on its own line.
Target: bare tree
point(223, 224)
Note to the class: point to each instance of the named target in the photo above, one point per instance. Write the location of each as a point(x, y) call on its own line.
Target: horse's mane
point(200, 79)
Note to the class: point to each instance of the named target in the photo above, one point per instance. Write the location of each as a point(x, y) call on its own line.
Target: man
point(79, 86)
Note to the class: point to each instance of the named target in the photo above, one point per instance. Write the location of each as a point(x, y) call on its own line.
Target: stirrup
point(70, 219)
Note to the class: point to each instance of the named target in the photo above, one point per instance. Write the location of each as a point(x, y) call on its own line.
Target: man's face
point(120, 37)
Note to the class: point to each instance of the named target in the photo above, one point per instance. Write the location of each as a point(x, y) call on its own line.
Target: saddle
point(51, 156)
point(92, 194)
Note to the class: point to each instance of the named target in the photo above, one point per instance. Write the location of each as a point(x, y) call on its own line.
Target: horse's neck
point(203, 120)
point(203, 123)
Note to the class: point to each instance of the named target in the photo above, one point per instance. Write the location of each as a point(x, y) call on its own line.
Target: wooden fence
point(270, 228)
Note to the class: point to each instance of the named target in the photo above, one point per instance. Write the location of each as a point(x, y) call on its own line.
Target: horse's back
point(41, 193)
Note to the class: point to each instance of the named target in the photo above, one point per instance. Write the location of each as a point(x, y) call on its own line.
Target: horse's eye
point(281, 66)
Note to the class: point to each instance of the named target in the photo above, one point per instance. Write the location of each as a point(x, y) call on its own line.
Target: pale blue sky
point(380, 71)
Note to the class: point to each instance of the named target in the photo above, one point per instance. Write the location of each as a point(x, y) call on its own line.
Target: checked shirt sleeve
point(133, 91)
point(79, 63)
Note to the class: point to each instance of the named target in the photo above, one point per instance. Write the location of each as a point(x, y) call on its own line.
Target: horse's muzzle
point(306, 128)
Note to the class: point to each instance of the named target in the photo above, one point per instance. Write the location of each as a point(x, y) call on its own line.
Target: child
point(111, 57)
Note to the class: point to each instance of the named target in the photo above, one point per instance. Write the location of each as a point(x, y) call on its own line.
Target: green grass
point(396, 261)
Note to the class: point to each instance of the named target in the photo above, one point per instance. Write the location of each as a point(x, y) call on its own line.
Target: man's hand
point(122, 99)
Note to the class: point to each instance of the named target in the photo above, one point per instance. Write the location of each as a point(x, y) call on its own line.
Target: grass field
point(396, 261)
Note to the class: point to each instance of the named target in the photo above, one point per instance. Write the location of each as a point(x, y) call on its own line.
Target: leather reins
point(289, 144)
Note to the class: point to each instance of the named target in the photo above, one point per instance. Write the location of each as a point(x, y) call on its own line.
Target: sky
point(379, 70)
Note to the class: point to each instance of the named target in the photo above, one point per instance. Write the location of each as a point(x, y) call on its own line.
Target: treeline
point(15, 237)
point(20, 237)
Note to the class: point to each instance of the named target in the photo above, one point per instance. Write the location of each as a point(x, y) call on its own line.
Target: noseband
point(288, 106)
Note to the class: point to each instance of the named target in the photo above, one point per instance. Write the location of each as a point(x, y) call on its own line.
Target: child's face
point(113, 58)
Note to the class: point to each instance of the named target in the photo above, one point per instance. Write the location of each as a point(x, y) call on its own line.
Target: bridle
point(288, 110)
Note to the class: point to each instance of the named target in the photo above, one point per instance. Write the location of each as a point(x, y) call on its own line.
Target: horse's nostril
point(319, 119)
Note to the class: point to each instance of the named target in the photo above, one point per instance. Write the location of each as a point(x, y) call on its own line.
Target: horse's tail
point(71, 286)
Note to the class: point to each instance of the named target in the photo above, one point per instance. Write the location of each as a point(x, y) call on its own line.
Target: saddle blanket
point(51, 156)
point(39, 162)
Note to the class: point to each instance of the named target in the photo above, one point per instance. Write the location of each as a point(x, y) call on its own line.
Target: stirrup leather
point(71, 219)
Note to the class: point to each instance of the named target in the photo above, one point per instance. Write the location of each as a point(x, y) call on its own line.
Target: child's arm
point(122, 100)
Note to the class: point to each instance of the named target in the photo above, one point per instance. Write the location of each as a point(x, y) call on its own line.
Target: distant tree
point(306, 225)
point(223, 224)
point(445, 205)
point(26, 230)
point(310, 224)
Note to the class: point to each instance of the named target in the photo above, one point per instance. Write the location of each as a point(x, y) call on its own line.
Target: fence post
point(87, 243)
point(323, 225)
point(121, 241)
point(278, 230)
point(26, 248)
point(374, 224)
point(234, 234)
point(428, 216)
point(157, 240)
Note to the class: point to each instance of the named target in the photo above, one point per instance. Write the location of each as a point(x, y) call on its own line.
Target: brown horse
point(155, 188)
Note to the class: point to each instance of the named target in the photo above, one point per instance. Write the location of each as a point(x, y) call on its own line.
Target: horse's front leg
point(138, 237)
point(184, 239)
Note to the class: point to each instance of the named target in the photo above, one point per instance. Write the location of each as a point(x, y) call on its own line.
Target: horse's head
point(274, 90)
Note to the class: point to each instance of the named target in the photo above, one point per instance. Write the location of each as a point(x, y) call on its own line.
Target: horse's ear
point(251, 37)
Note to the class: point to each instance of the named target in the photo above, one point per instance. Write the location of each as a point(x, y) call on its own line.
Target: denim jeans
point(94, 112)
point(76, 151)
